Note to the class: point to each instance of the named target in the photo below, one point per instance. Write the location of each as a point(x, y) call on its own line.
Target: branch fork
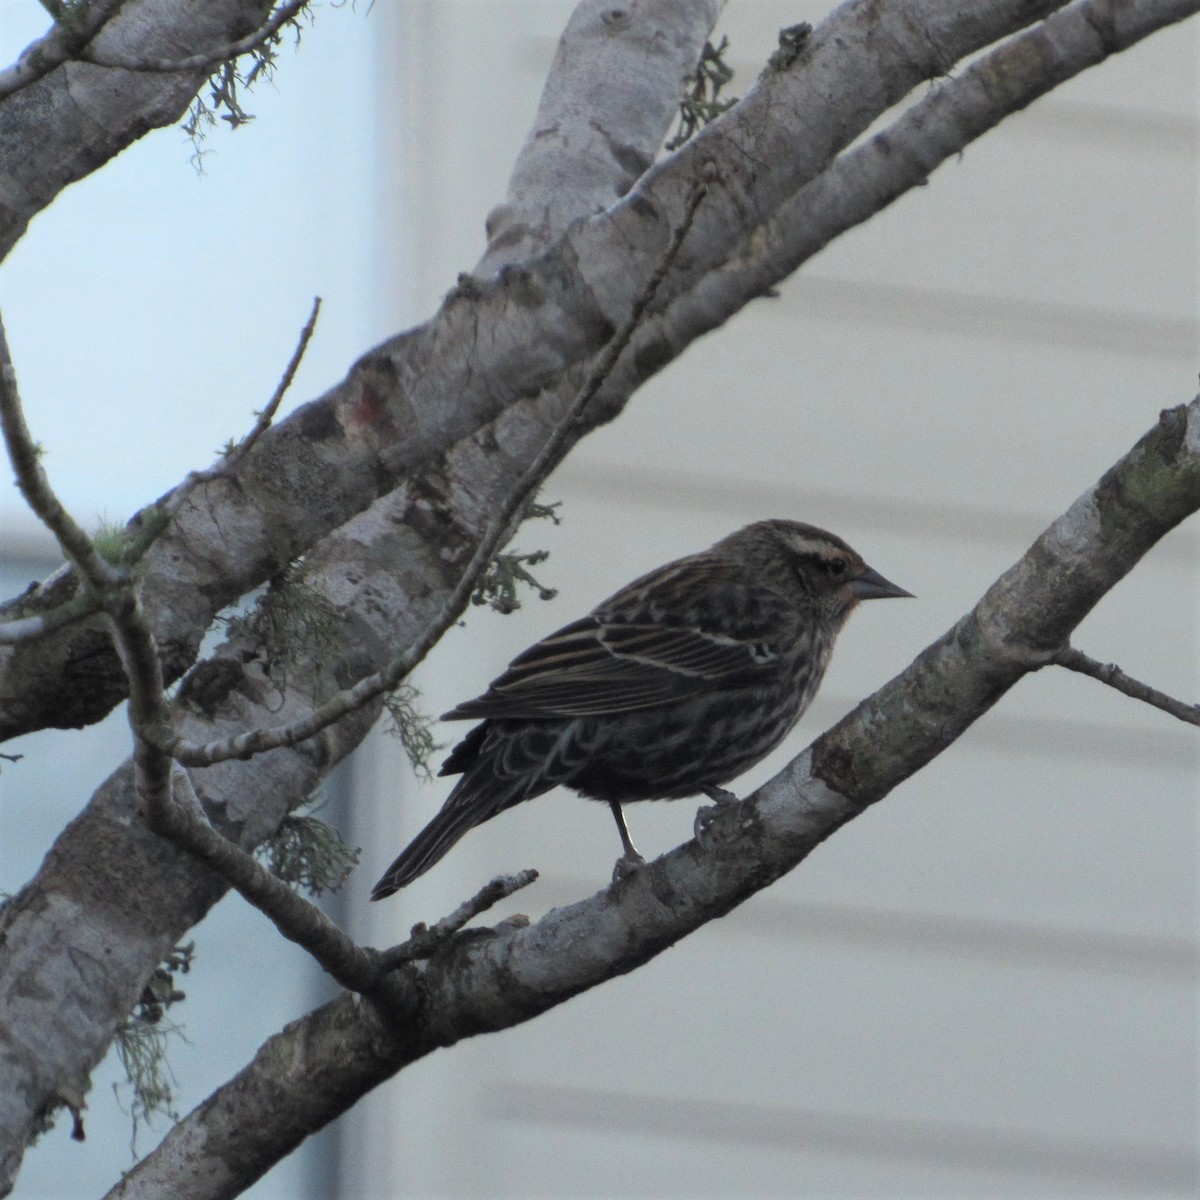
point(161, 753)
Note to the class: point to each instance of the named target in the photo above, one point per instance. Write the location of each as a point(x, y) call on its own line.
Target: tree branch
point(197, 62)
point(98, 112)
point(29, 628)
point(576, 160)
point(498, 342)
point(103, 864)
point(426, 941)
point(247, 744)
point(865, 180)
point(483, 982)
point(1110, 673)
point(152, 522)
point(63, 42)
point(23, 453)
point(182, 820)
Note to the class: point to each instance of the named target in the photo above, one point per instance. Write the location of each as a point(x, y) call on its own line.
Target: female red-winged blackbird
point(675, 685)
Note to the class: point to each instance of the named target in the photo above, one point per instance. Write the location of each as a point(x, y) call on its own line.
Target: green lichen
point(143, 1040)
point(308, 854)
point(701, 104)
point(413, 727)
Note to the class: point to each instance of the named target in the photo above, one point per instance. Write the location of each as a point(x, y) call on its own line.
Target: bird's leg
point(721, 798)
point(631, 860)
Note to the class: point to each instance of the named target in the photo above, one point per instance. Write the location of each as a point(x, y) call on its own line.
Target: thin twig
point(426, 940)
point(252, 742)
point(28, 629)
point(300, 921)
point(1110, 673)
point(24, 453)
point(211, 58)
point(358, 968)
point(153, 520)
point(267, 415)
point(112, 587)
point(173, 812)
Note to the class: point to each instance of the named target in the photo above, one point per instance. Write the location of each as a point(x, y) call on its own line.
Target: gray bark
point(386, 486)
point(314, 1069)
point(109, 882)
point(500, 341)
point(62, 126)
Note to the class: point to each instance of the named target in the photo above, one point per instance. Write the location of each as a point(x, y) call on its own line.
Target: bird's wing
point(607, 664)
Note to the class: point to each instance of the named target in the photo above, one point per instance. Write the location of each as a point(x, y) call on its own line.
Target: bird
point(670, 688)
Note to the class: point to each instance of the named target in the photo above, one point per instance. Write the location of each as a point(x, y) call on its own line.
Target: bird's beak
point(870, 585)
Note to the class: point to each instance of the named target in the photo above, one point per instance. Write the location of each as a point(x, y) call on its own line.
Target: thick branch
point(483, 983)
point(247, 744)
point(60, 126)
point(206, 61)
point(62, 43)
point(577, 161)
point(865, 180)
point(496, 343)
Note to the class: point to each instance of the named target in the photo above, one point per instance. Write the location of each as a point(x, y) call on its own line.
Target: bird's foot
point(630, 863)
point(721, 798)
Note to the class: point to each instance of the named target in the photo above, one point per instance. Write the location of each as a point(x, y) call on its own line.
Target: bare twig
point(267, 415)
point(299, 921)
point(111, 587)
point(211, 58)
point(154, 519)
point(24, 453)
point(173, 812)
point(1110, 673)
point(426, 940)
point(358, 968)
point(252, 742)
point(27, 629)
point(150, 522)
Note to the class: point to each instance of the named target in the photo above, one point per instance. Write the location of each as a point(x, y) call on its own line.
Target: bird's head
point(814, 565)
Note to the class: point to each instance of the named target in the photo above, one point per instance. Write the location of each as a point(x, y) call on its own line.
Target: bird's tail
point(468, 805)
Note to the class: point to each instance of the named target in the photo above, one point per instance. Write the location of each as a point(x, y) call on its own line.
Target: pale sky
point(149, 309)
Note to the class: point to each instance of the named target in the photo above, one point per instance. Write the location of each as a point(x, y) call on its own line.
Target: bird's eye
point(836, 567)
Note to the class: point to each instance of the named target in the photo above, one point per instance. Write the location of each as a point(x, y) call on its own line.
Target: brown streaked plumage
point(671, 687)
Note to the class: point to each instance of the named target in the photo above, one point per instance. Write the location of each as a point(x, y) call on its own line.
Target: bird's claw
point(704, 818)
point(708, 814)
point(720, 795)
point(628, 864)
